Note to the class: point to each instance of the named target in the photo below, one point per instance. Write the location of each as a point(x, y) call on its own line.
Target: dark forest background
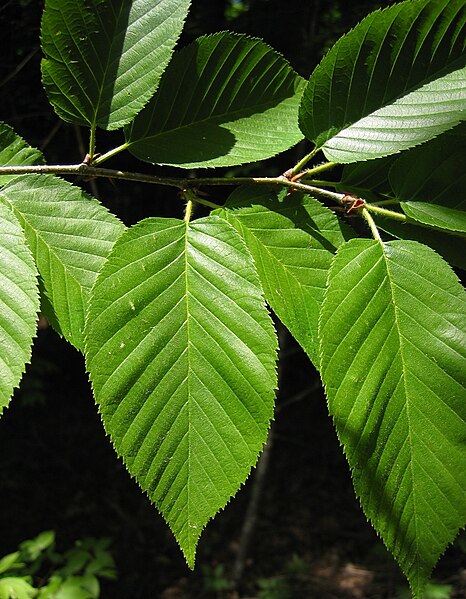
point(57, 468)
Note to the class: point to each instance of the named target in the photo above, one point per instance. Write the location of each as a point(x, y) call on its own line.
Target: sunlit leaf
point(104, 59)
point(181, 352)
point(393, 349)
point(19, 303)
point(396, 80)
point(70, 235)
point(292, 240)
point(225, 99)
point(14, 151)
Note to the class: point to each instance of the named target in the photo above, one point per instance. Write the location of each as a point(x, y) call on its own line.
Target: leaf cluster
point(172, 315)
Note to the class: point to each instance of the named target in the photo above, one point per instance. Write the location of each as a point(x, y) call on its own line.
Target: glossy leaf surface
point(104, 59)
point(70, 235)
point(396, 80)
point(393, 348)
point(292, 239)
point(181, 352)
point(19, 303)
point(225, 99)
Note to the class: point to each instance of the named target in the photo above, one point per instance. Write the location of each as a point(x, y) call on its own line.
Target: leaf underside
point(103, 60)
point(19, 303)
point(393, 345)
point(224, 100)
point(70, 234)
point(396, 80)
point(292, 240)
point(181, 353)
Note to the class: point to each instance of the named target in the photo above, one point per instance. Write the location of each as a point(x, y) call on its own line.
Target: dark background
point(57, 468)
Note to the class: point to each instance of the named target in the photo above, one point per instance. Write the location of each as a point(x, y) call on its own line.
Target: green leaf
point(433, 172)
point(19, 303)
point(181, 353)
point(450, 247)
point(393, 340)
point(13, 587)
point(14, 151)
point(70, 235)
point(396, 80)
point(10, 562)
point(436, 216)
point(430, 181)
point(292, 241)
point(224, 100)
point(104, 58)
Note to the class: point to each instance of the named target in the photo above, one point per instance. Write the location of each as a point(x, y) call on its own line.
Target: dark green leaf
point(224, 100)
point(181, 352)
point(368, 179)
point(393, 349)
point(292, 241)
point(104, 58)
point(396, 80)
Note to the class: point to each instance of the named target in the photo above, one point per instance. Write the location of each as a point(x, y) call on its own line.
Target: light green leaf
point(436, 216)
point(13, 587)
point(224, 100)
point(292, 241)
point(181, 353)
point(14, 151)
point(70, 235)
point(10, 562)
point(393, 348)
point(19, 303)
point(104, 58)
point(396, 80)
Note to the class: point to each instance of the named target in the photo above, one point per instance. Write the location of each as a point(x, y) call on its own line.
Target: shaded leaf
point(224, 100)
point(396, 80)
point(433, 172)
point(19, 303)
point(104, 59)
point(181, 352)
point(393, 348)
point(292, 241)
point(367, 179)
point(70, 235)
point(14, 151)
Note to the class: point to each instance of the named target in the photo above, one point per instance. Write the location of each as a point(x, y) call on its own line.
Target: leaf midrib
point(407, 403)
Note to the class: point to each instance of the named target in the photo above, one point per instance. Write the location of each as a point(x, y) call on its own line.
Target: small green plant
point(38, 571)
point(215, 580)
point(172, 315)
point(273, 588)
